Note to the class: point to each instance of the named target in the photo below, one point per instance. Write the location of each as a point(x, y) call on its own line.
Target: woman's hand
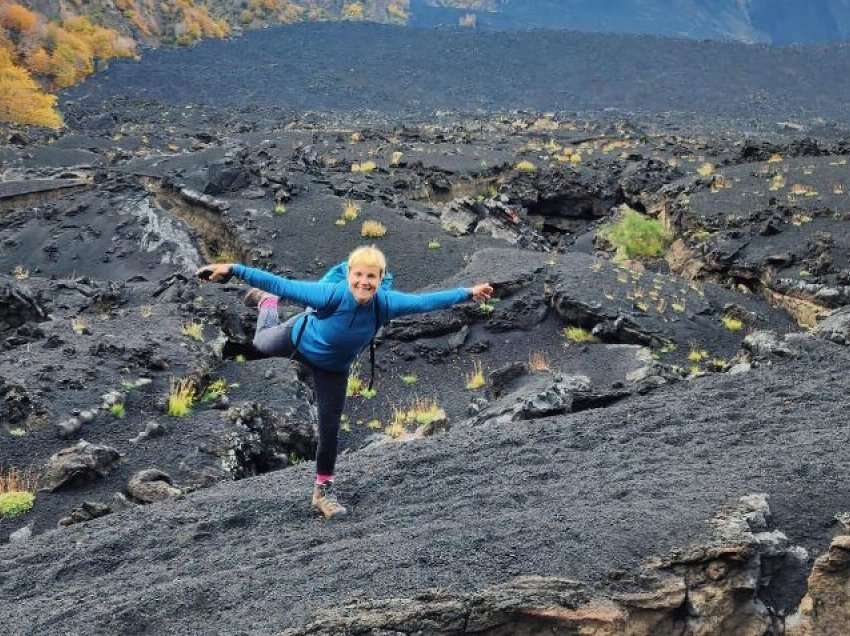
point(216, 273)
point(482, 292)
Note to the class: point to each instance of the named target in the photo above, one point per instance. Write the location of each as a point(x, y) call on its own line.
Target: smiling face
point(363, 281)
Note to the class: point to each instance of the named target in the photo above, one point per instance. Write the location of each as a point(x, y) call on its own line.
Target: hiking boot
point(325, 501)
point(255, 296)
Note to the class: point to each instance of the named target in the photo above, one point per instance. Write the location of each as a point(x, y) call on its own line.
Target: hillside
point(423, 70)
point(658, 447)
point(47, 46)
point(749, 21)
point(642, 433)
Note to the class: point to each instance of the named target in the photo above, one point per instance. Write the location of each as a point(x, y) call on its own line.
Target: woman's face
point(363, 282)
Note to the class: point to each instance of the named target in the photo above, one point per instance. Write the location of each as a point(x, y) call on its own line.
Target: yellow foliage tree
point(353, 11)
point(397, 11)
point(38, 61)
point(72, 58)
point(21, 99)
point(18, 18)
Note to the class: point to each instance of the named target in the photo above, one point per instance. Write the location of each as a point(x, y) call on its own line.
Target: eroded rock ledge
point(716, 587)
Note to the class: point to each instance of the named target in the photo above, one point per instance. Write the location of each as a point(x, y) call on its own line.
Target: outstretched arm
point(312, 294)
point(400, 304)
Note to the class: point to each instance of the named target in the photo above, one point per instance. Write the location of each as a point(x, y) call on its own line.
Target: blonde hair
point(368, 256)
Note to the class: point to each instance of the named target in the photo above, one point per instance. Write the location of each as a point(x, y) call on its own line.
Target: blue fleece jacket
point(333, 343)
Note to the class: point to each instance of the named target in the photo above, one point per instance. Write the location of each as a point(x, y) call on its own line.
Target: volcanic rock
point(151, 485)
point(224, 177)
point(836, 327)
point(18, 305)
point(86, 511)
point(825, 609)
point(78, 464)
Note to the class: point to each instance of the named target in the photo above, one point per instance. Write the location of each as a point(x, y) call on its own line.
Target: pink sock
point(321, 479)
point(268, 301)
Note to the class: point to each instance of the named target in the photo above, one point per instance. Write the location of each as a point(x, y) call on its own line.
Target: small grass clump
point(525, 166)
point(697, 355)
point(117, 410)
point(475, 379)
point(777, 182)
point(487, 307)
point(17, 492)
point(433, 244)
point(670, 347)
point(350, 210)
point(20, 272)
point(538, 362)
point(280, 209)
point(636, 236)
point(579, 335)
point(706, 169)
point(193, 330)
point(373, 229)
point(732, 324)
point(366, 167)
point(421, 412)
point(214, 390)
point(409, 378)
point(146, 311)
point(355, 385)
point(181, 398)
point(396, 158)
point(79, 326)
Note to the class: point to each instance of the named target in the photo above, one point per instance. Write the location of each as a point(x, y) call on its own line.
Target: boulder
point(21, 535)
point(259, 440)
point(223, 177)
point(151, 485)
point(18, 305)
point(78, 464)
point(766, 345)
point(87, 511)
point(530, 397)
point(825, 609)
point(457, 219)
point(835, 327)
point(16, 405)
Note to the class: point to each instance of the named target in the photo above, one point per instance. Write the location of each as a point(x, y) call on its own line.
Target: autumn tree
point(15, 17)
point(21, 99)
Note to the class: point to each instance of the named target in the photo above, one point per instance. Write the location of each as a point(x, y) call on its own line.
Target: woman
point(328, 340)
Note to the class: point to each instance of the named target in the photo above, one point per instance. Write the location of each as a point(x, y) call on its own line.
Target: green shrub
point(636, 236)
point(14, 504)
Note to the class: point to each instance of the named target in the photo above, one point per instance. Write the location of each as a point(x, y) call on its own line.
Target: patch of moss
point(14, 504)
point(636, 236)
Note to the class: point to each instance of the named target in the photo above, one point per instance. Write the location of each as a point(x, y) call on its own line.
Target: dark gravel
point(343, 67)
point(572, 496)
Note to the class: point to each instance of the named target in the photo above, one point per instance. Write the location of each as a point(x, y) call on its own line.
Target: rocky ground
point(674, 474)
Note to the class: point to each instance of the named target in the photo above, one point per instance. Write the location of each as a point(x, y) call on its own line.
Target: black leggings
point(274, 339)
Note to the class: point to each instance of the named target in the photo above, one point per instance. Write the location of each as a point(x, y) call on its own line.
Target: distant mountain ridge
point(767, 21)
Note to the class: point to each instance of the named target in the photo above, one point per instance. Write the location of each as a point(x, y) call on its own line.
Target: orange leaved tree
point(21, 99)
